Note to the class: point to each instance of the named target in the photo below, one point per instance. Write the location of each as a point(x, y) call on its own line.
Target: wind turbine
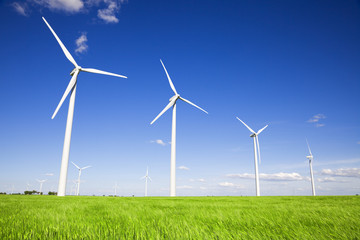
point(172, 103)
point(27, 186)
point(146, 180)
point(311, 158)
point(70, 88)
point(41, 184)
point(254, 135)
point(80, 169)
point(116, 187)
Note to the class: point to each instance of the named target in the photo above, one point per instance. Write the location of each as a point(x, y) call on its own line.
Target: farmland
point(51, 217)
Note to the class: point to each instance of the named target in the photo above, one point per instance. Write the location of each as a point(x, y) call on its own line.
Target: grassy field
point(51, 217)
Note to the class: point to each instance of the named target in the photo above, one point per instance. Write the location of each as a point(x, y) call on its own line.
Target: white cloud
point(106, 9)
point(316, 118)
point(342, 172)
point(158, 141)
point(197, 180)
point(70, 6)
point(21, 8)
point(183, 168)
point(271, 177)
point(330, 179)
point(49, 174)
point(81, 45)
point(108, 14)
point(320, 125)
point(230, 184)
point(184, 187)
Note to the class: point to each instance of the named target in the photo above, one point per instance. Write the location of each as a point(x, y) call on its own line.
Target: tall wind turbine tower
point(116, 187)
point(71, 88)
point(254, 135)
point(146, 180)
point(172, 103)
point(311, 158)
point(78, 181)
point(41, 184)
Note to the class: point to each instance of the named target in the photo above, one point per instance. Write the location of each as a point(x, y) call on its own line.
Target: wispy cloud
point(342, 172)
point(158, 141)
point(108, 14)
point(230, 184)
point(21, 8)
point(330, 179)
point(49, 174)
point(270, 177)
point(184, 187)
point(316, 119)
point(197, 180)
point(183, 168)
point(107, 10)
point(81, 45)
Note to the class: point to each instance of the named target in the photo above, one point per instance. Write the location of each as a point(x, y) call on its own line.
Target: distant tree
point(2, 193)
point(30, 192)
point(52, 193)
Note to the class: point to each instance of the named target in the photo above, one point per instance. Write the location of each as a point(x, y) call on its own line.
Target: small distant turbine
point(172, 103)
point(146, 180)
point(311, 158)
point(41, 184)
point(27, 186)
point(71, 89)
point(254, 135)
point(80, 169)
point(115, 188)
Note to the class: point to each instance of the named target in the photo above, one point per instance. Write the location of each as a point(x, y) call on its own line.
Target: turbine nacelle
point(176, 96)
point(253, 135)
point(73, 71)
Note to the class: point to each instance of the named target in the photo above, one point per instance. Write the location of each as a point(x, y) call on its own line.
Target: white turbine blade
point(261, 130)
point(193, 105)
point(68, 89)
point(76, 165)
point(171, 84)
point(308, 147)
point(164, 110)
point(258, 148)
point(92, 70)
point(67, 54)
point(150, 178)
point(142, 177)
point(85, 167)
point(246, 125)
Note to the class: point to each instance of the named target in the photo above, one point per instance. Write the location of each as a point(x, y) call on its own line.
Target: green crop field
point(51, 217)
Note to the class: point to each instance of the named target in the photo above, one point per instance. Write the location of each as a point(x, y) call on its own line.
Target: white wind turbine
point(311, 158)
point(78, 181)
point(254, 135)
point(146, 180)
point(70, 88)
point(41, 184)
point(172, 103)
point(115, 188)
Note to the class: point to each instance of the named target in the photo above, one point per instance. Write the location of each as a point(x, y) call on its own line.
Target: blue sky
point(294, 65)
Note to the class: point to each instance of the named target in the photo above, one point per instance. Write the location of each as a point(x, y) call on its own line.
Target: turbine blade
point(92, 70)
point(193, 105)
point(258, 148)
point(66, 52)
point(85, 167)
point(142, 177)
point(261, 130)
point(150, 179)
point(171, 84)
point(76, 165)
point(68, 89)
point(246, 125)
point(308, 147)
point(164, 110)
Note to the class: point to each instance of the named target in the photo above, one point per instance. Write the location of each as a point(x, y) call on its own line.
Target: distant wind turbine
point(115, 188)
point(41, 184)
point(311, 158)
point(27, 186)
point(70, 88)
point(78, 181)
point(254, 135)
point(172, 103)
point(146, 180)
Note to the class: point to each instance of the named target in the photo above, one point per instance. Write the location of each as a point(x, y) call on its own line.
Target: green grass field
point(51, 217)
